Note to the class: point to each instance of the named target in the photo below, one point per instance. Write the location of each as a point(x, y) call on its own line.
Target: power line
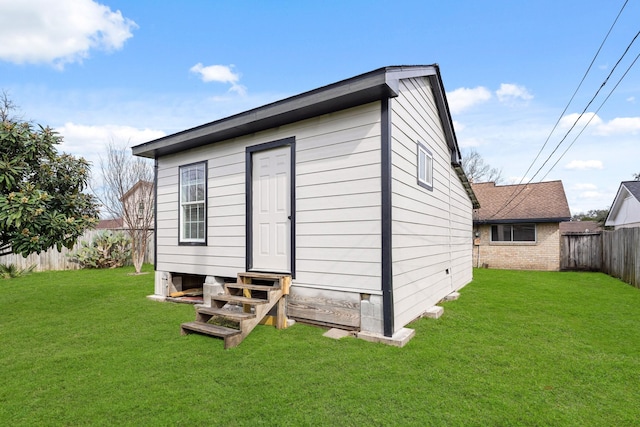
point(590, 119)
point(574, 93)
point(518, 190)
point(576, 121)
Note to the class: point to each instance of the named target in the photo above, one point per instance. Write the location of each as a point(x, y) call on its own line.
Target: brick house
point(518, 226)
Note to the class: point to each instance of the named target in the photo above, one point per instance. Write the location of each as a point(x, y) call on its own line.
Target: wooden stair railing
point(243, 305)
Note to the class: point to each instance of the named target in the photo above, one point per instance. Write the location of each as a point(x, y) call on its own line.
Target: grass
point(518, 348)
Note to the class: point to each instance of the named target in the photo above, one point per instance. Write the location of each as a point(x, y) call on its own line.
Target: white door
point(271, 170)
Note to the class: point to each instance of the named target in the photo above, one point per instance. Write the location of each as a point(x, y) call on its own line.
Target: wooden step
point(252, 287)
point(266, 276)
point(236, 316)
point(239, 299)
point(208, 329)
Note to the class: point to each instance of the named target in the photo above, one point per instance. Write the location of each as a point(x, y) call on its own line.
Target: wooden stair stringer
point(255, 307)
point(247, 325)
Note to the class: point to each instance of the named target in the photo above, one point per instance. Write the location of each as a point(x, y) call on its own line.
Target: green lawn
point(518, 348)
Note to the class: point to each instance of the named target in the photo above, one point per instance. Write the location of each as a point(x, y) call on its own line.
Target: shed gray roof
point(633, 187)
point(374, 85)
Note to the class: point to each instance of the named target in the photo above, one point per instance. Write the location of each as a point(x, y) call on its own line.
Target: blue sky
point(133, 71)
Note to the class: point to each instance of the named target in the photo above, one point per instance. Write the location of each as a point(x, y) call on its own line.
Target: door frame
point(291, 143)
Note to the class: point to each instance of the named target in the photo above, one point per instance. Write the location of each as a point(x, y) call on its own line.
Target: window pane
point(524, 233)
point(192, 198)
point(501, 233)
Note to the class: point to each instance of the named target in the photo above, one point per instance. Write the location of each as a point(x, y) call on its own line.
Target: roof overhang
point(365, 88)
point(519, 221)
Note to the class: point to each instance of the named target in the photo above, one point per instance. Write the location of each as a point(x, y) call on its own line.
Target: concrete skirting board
point(157, 298)
point(399, 339)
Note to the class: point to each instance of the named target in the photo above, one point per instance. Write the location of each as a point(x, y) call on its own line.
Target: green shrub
point(10, 271)
point(106, 250)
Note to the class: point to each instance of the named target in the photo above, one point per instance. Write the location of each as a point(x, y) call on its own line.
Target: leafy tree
point(597, 215)
point(477, 170)
point(42, 204)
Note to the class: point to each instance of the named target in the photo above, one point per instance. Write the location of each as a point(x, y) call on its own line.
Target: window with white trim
point(425, 167)
point(513, 233)
point(193, 208)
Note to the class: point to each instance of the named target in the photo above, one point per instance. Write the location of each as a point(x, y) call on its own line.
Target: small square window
point(425, 167)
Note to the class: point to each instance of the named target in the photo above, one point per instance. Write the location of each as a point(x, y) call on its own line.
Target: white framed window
point(193, 206)
point(513, 233)
point(425, 167)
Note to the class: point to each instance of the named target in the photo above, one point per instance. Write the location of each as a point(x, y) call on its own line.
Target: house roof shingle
point(633, 187)
point(537, 202)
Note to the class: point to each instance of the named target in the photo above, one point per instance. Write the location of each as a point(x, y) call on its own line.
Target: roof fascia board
point(520, 221)
point(358, 90)
point(615, 207)
point(445, 117)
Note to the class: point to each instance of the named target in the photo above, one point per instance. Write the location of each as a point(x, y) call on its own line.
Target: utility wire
point(594, 114)
point(576, 121)
point(518, 190)
point(575, 92)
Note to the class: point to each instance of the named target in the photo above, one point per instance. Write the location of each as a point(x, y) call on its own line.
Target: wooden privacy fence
point(616, 253)
point(54, 260)
point(621, 254)
point(581, 251)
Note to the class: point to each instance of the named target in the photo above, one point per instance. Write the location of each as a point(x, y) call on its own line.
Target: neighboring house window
point(425, 167)
point(513, 233)
point(193, 196)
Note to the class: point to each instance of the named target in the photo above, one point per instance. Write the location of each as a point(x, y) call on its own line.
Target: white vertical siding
point(337, 203)
point(431, 229)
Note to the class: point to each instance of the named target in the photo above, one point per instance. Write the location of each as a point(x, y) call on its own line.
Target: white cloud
point(220, 74)
point(587, 119)
point(464, 98)
point(510, 93)
point(620, 125)
point(90, 141)
point(59, 32)
point(584, 165)
point(631, 99)
point(469, 142)
point(584, 186)
point(591, 195)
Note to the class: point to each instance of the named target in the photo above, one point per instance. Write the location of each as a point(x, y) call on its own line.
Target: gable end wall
point(432, 230)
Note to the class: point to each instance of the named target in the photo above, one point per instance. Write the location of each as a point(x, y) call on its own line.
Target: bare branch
point(127, 192)
point(477, 170)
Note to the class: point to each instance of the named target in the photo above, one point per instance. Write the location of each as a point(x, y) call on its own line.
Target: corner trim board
point(386, 223)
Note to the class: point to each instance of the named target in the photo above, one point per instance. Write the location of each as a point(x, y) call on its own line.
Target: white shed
point(354, 190)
